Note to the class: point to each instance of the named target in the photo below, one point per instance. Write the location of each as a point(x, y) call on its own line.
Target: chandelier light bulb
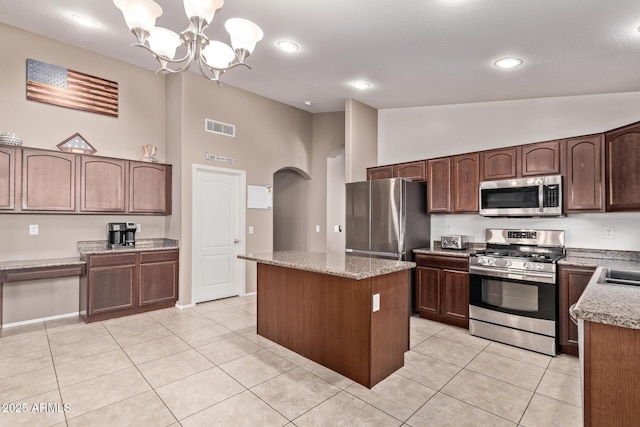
point(202, 8)
point(164, 42)
point(218, 54)
point(244, 34)
point(140, 14)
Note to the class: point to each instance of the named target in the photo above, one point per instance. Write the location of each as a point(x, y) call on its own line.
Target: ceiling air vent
point(219, 128)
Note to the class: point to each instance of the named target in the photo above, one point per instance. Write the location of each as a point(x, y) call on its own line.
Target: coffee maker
point(121, 234)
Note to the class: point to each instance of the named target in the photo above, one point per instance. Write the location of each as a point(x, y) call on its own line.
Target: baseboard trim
point(41, 319)
point(184, 306)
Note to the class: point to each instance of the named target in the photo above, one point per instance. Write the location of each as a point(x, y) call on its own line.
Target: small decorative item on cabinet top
point(9, 138)
point(77, 144)
point(149, 153)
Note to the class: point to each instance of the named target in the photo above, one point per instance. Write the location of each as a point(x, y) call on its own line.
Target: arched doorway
point(290, 188)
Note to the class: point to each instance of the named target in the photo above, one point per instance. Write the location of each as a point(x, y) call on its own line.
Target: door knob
point(236, 241)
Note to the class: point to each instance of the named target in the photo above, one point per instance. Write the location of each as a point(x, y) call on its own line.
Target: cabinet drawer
point(108, 260)
point(159, 256)
point(438, 261)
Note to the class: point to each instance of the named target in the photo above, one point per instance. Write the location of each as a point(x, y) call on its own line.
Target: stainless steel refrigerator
point(387, 218)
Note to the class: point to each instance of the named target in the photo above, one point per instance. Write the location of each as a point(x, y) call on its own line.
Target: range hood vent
point(220, 128)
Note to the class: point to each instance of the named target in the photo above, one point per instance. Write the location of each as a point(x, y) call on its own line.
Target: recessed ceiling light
point(288, 46)
point(83, 20)
point(361, 84)
point(508, 62)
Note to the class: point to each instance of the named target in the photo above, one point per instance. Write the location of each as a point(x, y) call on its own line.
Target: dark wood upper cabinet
point(466, 176)
point(584, 174)
point(622, 154)
point(415, 171)
point(34, 180)
point(499, 164)
point(48, 181)
point(379, 172)
point(542, 158)
point(439, 185)
point(102, 184)
point(7, 178)
point(148, 187)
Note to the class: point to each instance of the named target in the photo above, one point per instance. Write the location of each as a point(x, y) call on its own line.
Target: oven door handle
point(491, 272)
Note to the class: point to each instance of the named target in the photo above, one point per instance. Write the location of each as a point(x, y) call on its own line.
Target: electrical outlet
point(33, 229)
point(317, 228)
point(251, 229)
point(138, 228)
point(336, 228)
point(609, 232)
point(376, 302)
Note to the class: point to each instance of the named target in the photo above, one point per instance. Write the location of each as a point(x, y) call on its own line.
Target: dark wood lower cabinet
point(442, 289)
point(611, 375)
point(572, 283)
point(158, 277)
point(329, 319)
point(121, 284)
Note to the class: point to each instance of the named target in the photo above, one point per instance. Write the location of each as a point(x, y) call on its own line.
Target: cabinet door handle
point(236, 241)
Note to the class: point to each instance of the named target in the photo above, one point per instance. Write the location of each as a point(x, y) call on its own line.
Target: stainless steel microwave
point(536, 196)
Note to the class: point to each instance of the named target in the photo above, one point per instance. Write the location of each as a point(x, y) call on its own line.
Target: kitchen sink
point(622, 277)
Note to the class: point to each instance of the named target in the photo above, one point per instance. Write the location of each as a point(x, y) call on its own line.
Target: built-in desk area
point(35, 269)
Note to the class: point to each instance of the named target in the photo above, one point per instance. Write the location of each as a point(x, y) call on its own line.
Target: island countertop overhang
point(332, 263)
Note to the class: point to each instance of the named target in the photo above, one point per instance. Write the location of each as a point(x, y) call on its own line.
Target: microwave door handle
point(541, 196)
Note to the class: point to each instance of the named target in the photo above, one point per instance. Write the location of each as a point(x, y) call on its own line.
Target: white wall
point(582, 230)
point(406, 134)
point(336, 203)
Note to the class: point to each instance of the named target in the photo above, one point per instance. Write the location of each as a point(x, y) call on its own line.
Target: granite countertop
point(611, 304)
point(459, 253)
point(40, 263)
point(95, 247)
point(335, 264)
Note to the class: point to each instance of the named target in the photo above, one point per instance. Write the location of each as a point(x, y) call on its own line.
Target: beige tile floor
point(205, 366)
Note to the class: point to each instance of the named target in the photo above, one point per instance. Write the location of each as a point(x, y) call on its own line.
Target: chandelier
point(213, 57)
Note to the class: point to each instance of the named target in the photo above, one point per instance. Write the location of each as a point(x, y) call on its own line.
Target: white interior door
point(218, 225)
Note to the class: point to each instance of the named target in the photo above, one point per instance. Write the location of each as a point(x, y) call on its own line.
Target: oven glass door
point(511, 198)
point(522, 298)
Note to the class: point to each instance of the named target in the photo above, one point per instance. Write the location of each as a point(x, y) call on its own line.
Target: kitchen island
point(348, 313)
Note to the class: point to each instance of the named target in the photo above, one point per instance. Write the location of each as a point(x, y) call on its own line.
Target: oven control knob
point(482, 260)
point(491, 261)
point(527, 265)
point(507, 263)
point(539, 266)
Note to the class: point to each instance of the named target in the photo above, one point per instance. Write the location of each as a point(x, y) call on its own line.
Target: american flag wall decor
point(67, 88)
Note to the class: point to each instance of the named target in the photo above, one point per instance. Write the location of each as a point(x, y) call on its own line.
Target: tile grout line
point(55, 371)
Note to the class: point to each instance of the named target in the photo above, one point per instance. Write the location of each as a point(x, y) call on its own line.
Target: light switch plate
point(251, 229)
point(376, 302)
point(33, 229)
point(317, 228)
point(138, 228)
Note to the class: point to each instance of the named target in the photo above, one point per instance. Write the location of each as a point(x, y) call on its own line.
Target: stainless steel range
point(512, 288)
